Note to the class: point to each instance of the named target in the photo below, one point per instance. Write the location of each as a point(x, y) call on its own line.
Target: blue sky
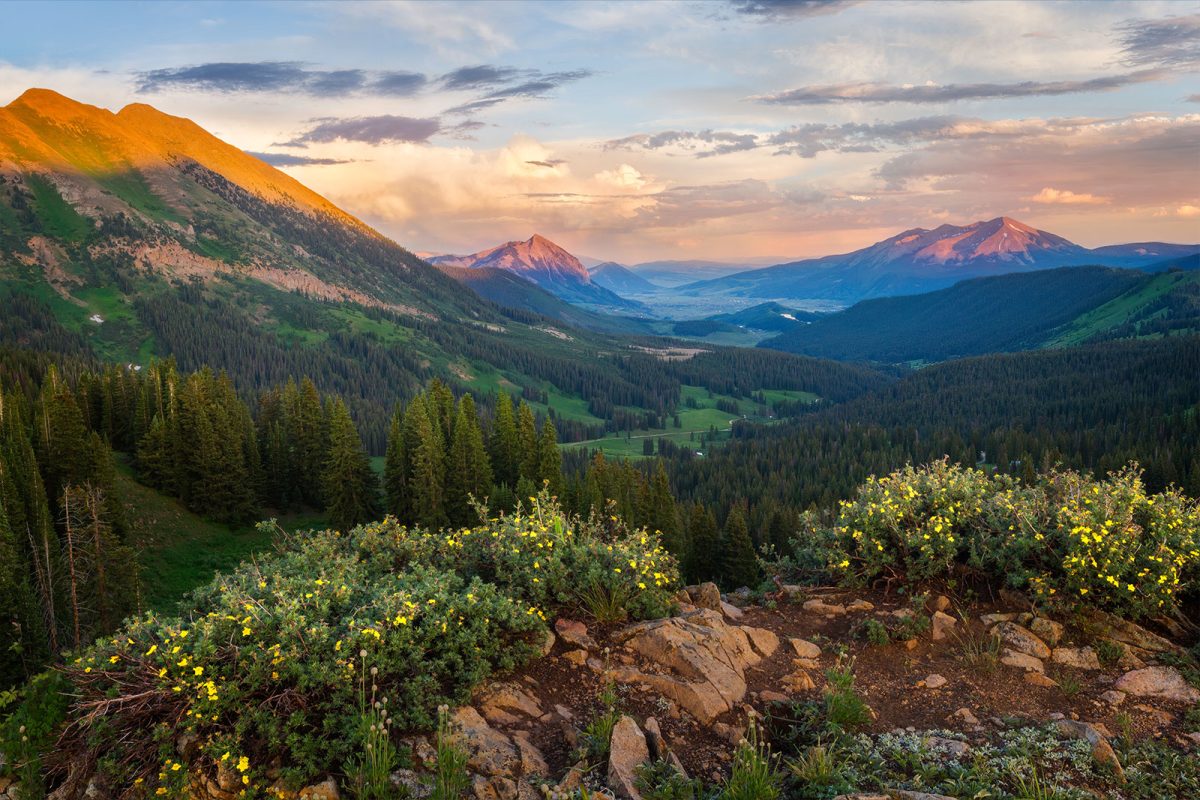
point(746, 129)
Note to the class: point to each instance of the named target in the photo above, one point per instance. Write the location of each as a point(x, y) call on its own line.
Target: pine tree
point(426, 481)
point(349, 483)
point(468, 473)
point(395, 468)
point(504, 446)
point(656, 511)
point(739, 564)
point(704, 561)
point(549, 470)
point(527, 444)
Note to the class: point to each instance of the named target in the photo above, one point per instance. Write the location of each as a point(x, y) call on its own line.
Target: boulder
point(805, 648)
point(1022, 640)
point(1047, 630)
point(1076, 657)
point(859, 606)
point(627, 751)
point(655, 740)
point(1102, 752)
point(942, 625)
point(1113, 697)
point(1012, 658)
point(939, 603)
point(574, 633)
point(731, 612)
point(702, 657)
point(1039, 679)
point(576, 657)
point(964, 714)
point(764, 642)
point(706, 595)
point(489, 752)
point(820, 607)
point(1165, 683)
point(1129, 633)
point(989, 620)
point(325, 790)
point(934, 681)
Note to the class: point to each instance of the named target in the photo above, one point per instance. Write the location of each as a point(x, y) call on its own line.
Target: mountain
point(1019, 311)
point(620, 279)
point(768, 317)
point(544, 263)
point(921, 260)
point(511, 291)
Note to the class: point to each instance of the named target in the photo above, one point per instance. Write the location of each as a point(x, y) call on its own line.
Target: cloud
point(281, 76)
point(701, 143)
point(1188, 210)
point(480, 76)
point(623, 176)
point(291, 160)
point(946, 93)
point(399, 83)
point(1168, 42)
point(382, 129)
point(550, 163)
point(1194, 98)
point(1067, 197)
point(789, 9)
point(533, 85)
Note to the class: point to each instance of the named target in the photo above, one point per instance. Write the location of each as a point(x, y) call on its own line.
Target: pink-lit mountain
point(921, 260)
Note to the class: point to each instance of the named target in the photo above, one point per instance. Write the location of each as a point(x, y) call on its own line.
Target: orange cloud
point(1067, 197)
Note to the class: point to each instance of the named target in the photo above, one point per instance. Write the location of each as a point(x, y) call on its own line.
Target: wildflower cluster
point(1068, 538)
point(272, 659)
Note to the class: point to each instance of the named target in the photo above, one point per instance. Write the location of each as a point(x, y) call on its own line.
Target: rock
point(1028, 663)
point(1129, 633)
point(533, 763)
point(820, 607)
point(791, 590)
point(1195, 738)
point(952, 746)
point(325, 790)
point(942, 625)
point(939, 603)
point(934, 681)
point(704, 661)
point(1102, 752)
point(769, 696)
point(228, 779)
point(859, 606)
point(905, 794)
point(489, 752)
point(1076, 657)
point(1039, 679)
point(799, 681)
point(706, 595)
point(764, 642)
point(1161, 716)
point(627, 751)
point(910, 644)
point(574, 633)
point(1022, 640)
point(576, 657)
point(548, 643)
point(407, 781)
point(731, 612)
point(965, 715)
point(1113, 697)
point(805, 648)
point(1162, 682)
point(503, 700)
point(1047, 630)
point(655, 740)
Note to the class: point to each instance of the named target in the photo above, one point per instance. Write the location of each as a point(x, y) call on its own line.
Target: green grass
point(1120, 309)
point(179, 550)
point(58, 218)
point(131, 187)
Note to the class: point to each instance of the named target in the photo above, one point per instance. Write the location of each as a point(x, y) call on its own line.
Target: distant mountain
point(921, 260)
point(1021, 311)
point(511, 291)
point(620, 279)
point(768, 317)
point(544, 263)
point(1150, 256)
point(678, 273)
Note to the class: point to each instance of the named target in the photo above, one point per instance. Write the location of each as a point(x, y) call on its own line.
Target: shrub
point(270, 664)
point(1068, 538)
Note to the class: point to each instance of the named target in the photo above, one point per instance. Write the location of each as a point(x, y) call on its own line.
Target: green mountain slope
point(1006, 313)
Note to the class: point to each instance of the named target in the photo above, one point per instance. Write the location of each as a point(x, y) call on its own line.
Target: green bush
point(277, 657)
point(1068, 538)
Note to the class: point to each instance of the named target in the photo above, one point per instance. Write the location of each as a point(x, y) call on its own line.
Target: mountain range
point(542, 262)
point(921, 260)
point(620, 279)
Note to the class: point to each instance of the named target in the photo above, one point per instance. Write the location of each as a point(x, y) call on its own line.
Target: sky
point(750, 131)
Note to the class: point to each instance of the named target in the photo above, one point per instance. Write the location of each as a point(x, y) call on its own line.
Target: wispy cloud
point(480, 76)
point(946, 93)
point(382, 129)
point(532, 85)
point(279, 76)
point(1170, 41)
point(789, 9)
point(291, 160)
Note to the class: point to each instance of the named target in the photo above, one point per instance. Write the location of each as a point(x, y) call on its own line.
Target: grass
point(980, 650)
point(1120, 309)
point(754, 775)
point(58, 218)
point(131, 187)
point(179, 550)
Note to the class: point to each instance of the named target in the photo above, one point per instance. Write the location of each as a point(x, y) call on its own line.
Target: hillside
point(921, 260)
point(1020, 311)
point(620, 279)
point(135, 235)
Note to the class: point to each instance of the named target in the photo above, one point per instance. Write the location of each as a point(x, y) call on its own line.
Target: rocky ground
point(687, 685)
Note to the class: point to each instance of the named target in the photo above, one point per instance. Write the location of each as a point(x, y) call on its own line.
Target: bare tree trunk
point(70, 532)
point(45, 581)
point(95, 499)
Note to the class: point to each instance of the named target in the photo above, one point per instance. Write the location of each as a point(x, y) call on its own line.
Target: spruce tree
point(527, 444)
point(549, 471)
point(704, 559)
point(426, 481)
point(504, 447)
point(395, 468)
point(468, 473)
point(349, 483)
point(739, 564)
